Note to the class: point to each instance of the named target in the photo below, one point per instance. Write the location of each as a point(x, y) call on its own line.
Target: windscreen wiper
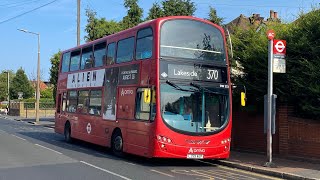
point(205, 89)
point(178, 87)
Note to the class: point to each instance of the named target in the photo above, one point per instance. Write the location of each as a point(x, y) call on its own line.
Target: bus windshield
point(191, 40)
point(192, 110)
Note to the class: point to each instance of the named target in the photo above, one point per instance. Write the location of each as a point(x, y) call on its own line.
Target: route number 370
point(213, 74)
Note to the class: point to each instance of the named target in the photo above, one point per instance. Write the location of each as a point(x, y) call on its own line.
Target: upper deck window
point(86, 58)
point(75, 60)
point(111, 53)
point(192, 39)
point(65, 62)
point(99, 54)
point(125, 50)
point(144, 44)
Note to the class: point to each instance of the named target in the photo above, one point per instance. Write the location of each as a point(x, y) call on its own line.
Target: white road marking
point(18, 137)
point(130, 163)
point(48, 148)
point(104, 170)
point(161, 173)
point(240, 170)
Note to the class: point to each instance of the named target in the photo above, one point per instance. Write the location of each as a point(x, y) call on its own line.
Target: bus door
point(61, 108)
point(132, 110)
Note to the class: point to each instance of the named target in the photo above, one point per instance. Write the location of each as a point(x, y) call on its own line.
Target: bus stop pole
point(270, 92)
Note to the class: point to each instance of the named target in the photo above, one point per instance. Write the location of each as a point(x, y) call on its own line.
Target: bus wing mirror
point(147, 95)
point(243, 99)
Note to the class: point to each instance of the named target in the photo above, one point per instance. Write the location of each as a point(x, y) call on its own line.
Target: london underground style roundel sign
point(279, 47)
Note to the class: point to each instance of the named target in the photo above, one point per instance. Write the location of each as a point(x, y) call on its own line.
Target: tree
point(54, 70)
point(213, 17)
point(134, 14)
point(155, 11)
point(4, 84)
point(178, 8)
point(20, 83)
point(97, 28)
point(303, 63)
point(47, 93)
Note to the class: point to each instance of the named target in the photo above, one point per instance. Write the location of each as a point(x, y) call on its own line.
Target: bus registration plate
point(194, 156)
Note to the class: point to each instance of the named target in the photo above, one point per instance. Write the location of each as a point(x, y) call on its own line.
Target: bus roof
point(139, 26)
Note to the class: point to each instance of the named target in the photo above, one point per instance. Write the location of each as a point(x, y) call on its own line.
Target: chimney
point(271, 14)
point(276, 15)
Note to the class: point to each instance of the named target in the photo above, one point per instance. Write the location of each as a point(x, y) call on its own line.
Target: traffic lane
point(92, 158)
point(142, 167)
point(138, 167)
point(20, 159)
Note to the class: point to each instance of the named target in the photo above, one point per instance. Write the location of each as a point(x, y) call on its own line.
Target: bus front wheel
point(117, 144)
point(67, 133)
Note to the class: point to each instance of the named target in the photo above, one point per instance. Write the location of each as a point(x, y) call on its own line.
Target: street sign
point(279, 65)
point(279, 47)
point(271, 34)
point(279, 55)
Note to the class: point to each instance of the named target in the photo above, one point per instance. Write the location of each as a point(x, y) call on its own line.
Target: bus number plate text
point(194, 156)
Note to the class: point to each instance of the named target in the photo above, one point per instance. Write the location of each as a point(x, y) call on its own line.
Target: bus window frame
point(136, 43)
point(114, 55)
point(86, 50)
point(133, 50)
point(80, 50)
point(104, 60)
point(68, 69)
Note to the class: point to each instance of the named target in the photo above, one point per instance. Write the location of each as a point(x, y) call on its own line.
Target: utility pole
point(78, 22)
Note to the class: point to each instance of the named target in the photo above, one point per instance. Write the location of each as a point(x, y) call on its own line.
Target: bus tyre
point(117, 144)
point(67, 133)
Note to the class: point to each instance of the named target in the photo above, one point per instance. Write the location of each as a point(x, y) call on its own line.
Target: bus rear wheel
point(117, 144)
point(67, 133)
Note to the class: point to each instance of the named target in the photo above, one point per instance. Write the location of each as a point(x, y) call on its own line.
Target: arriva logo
point(196, 150)
point(126, 92)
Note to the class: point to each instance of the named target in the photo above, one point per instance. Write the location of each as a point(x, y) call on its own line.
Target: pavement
point(43, 121)
point(286, 168)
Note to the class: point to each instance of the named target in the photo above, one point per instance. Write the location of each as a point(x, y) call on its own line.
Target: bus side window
point(59, 104)
point(72, 101)
point(64, 102)
point(83, 102)
point(87, 59)
point(144, 44)
point(65, 62)
point(75, 60)
point(99, 54)
point(111, 53)
point(95, 102)
point(125, 50)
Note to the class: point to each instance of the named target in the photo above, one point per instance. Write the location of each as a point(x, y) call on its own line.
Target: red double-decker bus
point(160, 89)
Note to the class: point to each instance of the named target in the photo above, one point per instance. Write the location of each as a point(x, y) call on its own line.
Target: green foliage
point(300, 85)
point(178, 8)
point(99, 27)
point(47, 93)
point(134, 14)
point(303, 57)
point(213, 17)
point(4, 84)
point(20, 83)
point(54, 70)
point(155, 11)
point(171, 8)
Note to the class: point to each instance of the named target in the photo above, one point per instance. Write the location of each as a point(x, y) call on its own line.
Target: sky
point(57, 26)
